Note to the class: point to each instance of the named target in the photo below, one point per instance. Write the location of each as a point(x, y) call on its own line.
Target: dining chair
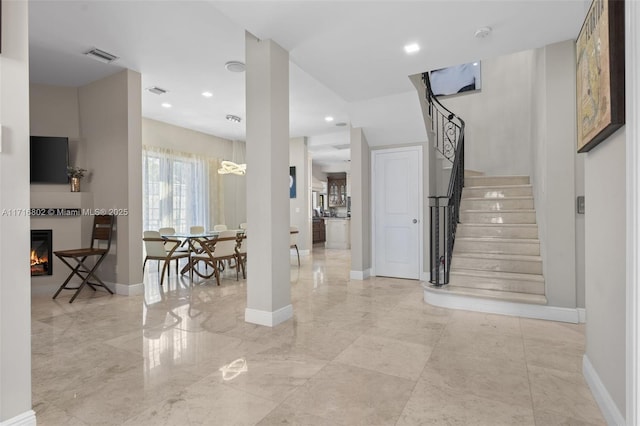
point(216, 251)
point(75, 258)
point(220, 228)
point(155, 248)
point(241, 252)
point(169, 232)
point(293, 241)
point(243, 225)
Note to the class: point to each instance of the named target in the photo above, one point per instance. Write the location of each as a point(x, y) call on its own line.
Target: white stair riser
point(497, 231)
point(498, 247)
point(497, 217)
point(502, 265)
point(496, 180)
point(530, 287)
point(497, 205)
point(497, 192)
point(504, 296)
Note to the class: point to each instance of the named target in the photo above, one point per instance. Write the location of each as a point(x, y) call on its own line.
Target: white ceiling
point(347, 57)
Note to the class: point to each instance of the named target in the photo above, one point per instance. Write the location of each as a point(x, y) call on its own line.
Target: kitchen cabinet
point(338, 233)
point(337, 190)
point(319, 235)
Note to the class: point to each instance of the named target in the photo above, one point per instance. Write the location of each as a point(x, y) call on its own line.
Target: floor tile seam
point(526, 363)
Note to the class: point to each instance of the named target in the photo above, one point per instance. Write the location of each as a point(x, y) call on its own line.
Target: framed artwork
point(292, 182)
point(600, 73)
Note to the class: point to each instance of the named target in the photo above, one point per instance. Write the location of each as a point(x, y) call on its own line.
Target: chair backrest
point(243, 225)
point(293, 236)
point(102, 230)
point(242, 245)
point(196, 230)
point(167, 231)
point(153, 244)
point(220, 227)
point(226, 247)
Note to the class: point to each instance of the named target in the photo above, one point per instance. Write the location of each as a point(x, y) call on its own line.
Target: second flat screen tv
point(49, 159)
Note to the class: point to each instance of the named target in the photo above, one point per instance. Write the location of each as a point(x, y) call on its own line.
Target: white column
point(15, 282)
point(268, 275)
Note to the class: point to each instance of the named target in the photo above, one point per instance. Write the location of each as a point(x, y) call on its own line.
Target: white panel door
point(397, 201)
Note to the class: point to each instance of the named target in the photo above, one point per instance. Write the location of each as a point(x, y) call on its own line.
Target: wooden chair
point(215, 252)
point(75, 258)
point(156, 249)
point(241, 253)
point(220, 228)
point(293, 241)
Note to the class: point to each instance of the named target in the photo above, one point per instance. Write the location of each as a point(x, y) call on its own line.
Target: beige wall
point(553, 148)
point(15, 292)
point(300, 207)
point(110, 127)
point(497, 136)
point(360, 205)
point(234, 192)
point(605, 263)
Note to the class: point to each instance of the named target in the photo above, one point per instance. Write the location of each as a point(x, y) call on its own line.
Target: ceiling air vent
point(101, 55)
point(156, 90)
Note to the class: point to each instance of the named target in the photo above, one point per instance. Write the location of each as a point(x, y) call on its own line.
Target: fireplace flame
point(37, 260)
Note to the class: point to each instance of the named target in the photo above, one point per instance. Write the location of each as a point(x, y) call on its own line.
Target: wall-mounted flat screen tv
point(456, 79)
point(49, 159)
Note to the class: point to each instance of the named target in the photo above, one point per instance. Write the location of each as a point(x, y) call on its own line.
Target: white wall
point(15, 293)
point(497, 136)
point(605, 263)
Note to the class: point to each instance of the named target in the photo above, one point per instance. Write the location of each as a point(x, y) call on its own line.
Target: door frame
point(418, 149)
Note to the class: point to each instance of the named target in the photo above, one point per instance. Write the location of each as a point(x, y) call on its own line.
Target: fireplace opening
point(41, 252)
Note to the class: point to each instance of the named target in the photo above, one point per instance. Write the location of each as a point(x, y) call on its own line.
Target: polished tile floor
point(356, 352)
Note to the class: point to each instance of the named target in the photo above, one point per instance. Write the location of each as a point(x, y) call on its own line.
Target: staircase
point(497, 252)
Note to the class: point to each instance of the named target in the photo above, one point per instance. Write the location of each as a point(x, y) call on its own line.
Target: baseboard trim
point(266, 318)
point(303, 252)
point(455, 301)
point(127, 289)
point(28, 418)
point(609, 408)
point(360, 275)
point(582, 315)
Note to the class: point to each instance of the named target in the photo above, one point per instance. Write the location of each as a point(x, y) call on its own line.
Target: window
point(175, 189)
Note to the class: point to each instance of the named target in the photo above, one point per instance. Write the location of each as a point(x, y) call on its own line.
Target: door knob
point(415, 220)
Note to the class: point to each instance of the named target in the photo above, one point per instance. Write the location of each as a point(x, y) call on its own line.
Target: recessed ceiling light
point(412, 48)
point(101, 55)
point(234, 118)
point(482, 32)
point(166, 105)
point(207, 94)
point(235, 66)
point(328, 119)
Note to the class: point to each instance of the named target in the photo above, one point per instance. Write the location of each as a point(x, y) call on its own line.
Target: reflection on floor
point(356, 352)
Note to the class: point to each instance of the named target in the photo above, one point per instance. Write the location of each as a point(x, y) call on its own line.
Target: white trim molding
point(632, 82)
point(266, 318)
point(28, 418)
point(442, 299)
point(360, 275)
point(127, 289)
point(609, 409)
point(582, 315)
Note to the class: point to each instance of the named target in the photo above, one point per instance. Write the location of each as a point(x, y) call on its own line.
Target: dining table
point(192, 241)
